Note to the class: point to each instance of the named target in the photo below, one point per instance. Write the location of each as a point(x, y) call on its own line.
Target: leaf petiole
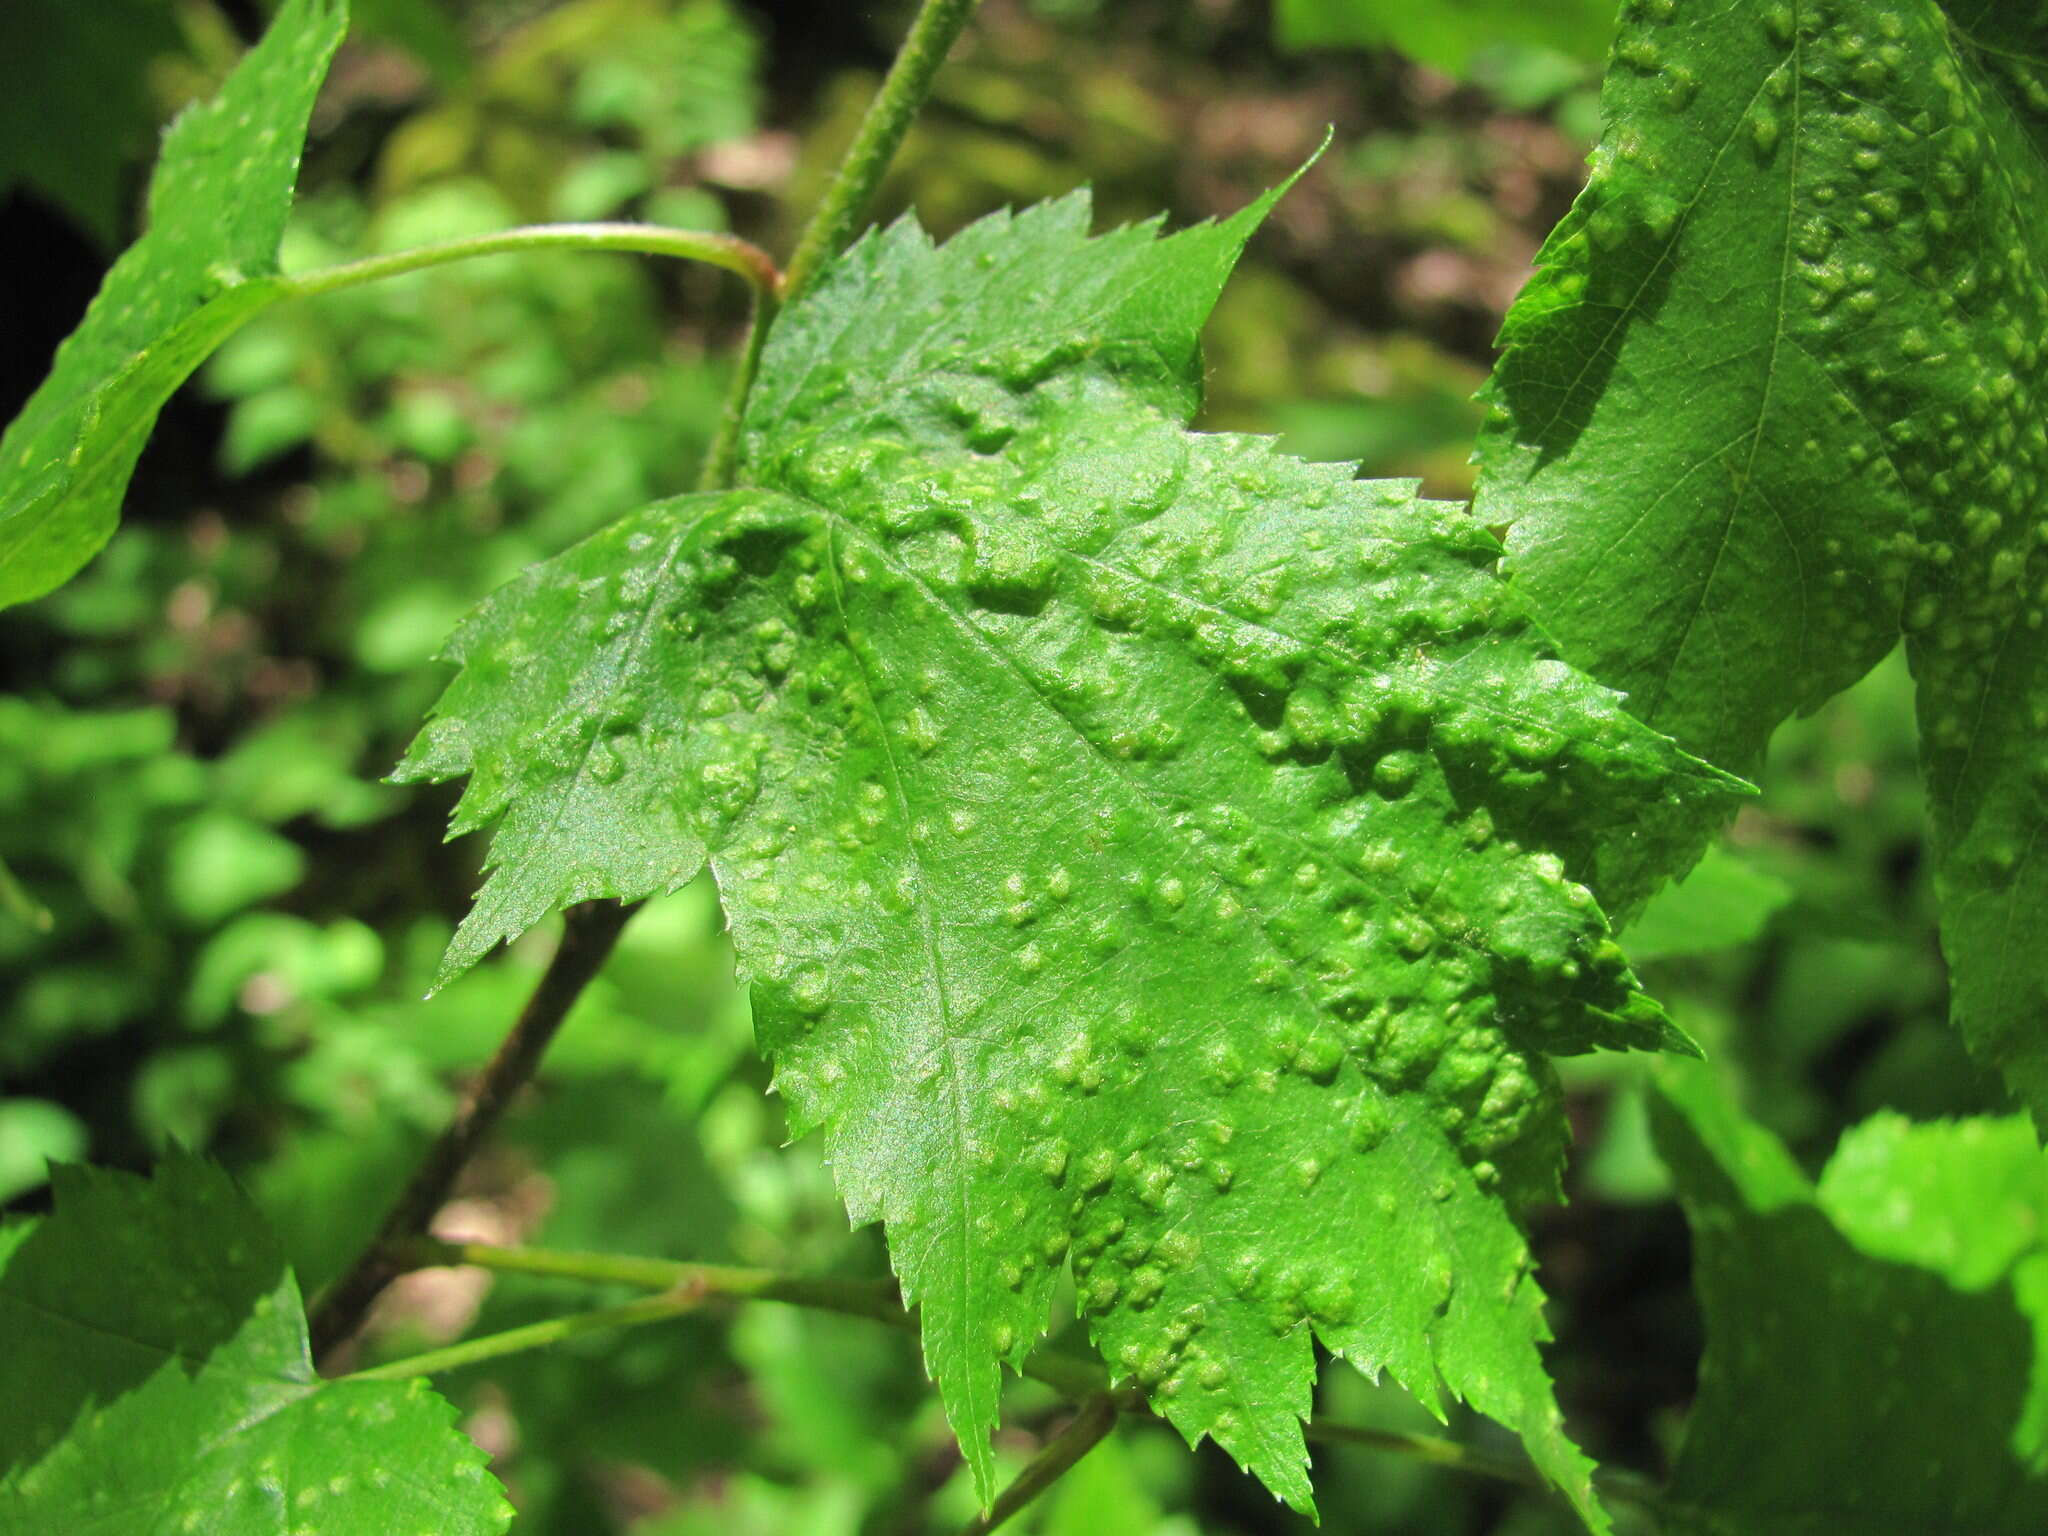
point(838, 215)
point(1088, 1429)
point(588, 933)
point(513, 1341)
point(857, 1298)
point(876, 1300)
point(684, 1287)
point(727, 251)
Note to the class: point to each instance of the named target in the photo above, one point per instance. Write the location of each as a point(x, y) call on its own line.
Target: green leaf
point(1449, 33)
point(217, 208)
point(1721, 904)
point(1775, 394)
point(154, 1377)
point(1102, 1493)
point(1967, 1199)
point(33, 1134)
point(1856, 1379)
point(1149, 852)
point(218, 863)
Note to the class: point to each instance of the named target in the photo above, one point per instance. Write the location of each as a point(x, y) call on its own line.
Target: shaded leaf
point(1843, 1391)
point(82, 66)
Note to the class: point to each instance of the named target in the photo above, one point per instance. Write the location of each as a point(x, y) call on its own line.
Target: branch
point(838, 215)
point(684, 1287)
point(877, 1300)
point(837, 218)
point(727, 251)
point(1087, 1430)
point(589, 931)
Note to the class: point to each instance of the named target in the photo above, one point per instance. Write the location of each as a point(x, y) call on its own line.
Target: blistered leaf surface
point(217, 209)
point(154, 1378)
point(1857, 1381)
point(1152, 855)
point(1775, 397)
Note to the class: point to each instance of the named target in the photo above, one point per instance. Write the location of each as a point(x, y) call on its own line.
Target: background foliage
point(218, 920)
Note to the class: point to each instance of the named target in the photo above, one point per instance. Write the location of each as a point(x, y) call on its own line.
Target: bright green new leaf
point(217, 208)
point(1967, 1199)
point(1856, 1381)
point(1151, 854)
point(1775, 395)
point(154, 1378)
point(1448, 33)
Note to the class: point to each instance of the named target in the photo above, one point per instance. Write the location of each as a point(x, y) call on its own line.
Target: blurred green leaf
point(1450, 33)
point(679, 76)
point(266, 425)
point(424, 28)
point(1967, 1199)
point(35, 1133)
point(218, 863)
point(1102, 1493)
point(284, 959)
point(1722, 903)
point(180, 1095)
point(1841, 1390)
point(1623, 1165)
point(302, 764)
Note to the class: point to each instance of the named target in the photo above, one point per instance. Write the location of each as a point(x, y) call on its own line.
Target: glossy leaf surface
point(1775, 397)
point(1150, 853)
point(217, 208)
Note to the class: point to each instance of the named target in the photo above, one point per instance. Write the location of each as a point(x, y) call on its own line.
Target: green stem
point(876, 1300)
point(857, 1298)
point(648, 1309)
point(684, 1287)
point(589, 930)
point(838, 217)
point(839, 213)
point(734, 255)
point(15, 898)
point(723, 460)
point(1089, 1428)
